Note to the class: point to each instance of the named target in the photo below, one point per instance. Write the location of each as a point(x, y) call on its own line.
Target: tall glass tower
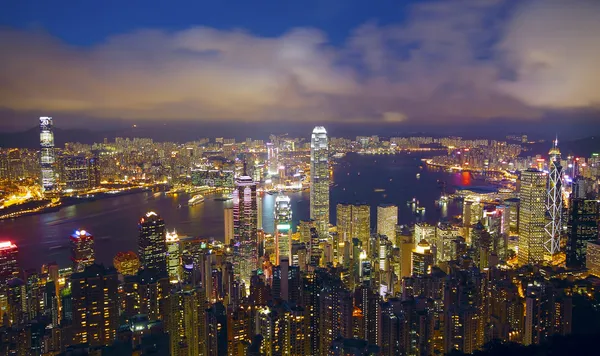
point(283, 220)
point(554, 202)
point(532, 217)
point(245, 228)
point(319, 180)
point(47, 154)
point(152, 243)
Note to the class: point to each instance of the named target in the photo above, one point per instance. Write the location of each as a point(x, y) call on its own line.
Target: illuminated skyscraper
point(272, 153)
point(95, 307)
point(422, 259)
point(387, 219)
point(47, 154)
point(228, 212)
point(283, 220)
point(173, 257)
point(186, 320)
point(554, 202)
point(9, 267)
point(532, 217)
point(354, 221)
point(582, 227)
point(82, 250)
point(245, 229)
point(152, 242)
point(319, 180)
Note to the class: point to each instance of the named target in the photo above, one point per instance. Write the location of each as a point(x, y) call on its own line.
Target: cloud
point(449, 61)
point(554, 50)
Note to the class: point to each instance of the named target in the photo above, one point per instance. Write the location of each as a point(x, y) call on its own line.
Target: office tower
point(9, 267)
point(152, 246)
point(127, 263)
point(361, 222)
point(344, 221)
point(283, 221)
point(95, 307)
point(82, 250)
point(304, 227)
point(532, 217)
point(354, 221)
point(421, 259)
point(592, 258)
point(75, 172)
point(319, 180)
point(314, 250)
point(335, 312)
point(245, 229)
point(173, 257)
point(228, 225)
point(582, 227)
point(186, 320)
point(47, 155)
point(554, 202)
point(272, 158)
point(387, 219)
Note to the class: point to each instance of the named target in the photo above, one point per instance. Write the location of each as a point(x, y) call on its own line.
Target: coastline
point(50, 207)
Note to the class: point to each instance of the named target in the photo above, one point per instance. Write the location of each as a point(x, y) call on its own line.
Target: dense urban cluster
point(513, 267)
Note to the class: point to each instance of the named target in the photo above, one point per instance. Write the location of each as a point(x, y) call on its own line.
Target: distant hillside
point(583, 147)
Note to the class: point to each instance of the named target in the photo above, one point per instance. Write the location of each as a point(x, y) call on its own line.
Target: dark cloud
point(447, 62)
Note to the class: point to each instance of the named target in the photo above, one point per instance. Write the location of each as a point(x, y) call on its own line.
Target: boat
point(196, 199)
point(418, 175)
point(378, 190)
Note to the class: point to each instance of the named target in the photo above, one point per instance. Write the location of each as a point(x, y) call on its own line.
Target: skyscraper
point(283, 221)
point(319, 180)
point(152, 246)
point(554, 202)
point(354, 221)
point(82, 250)
point(95, 308)
point(173, 257)
point(245, 229)
point(532, 217)
point(387, 219)
point(228, 212)
point(582, 226)
point(9, 266)
point(47, 154)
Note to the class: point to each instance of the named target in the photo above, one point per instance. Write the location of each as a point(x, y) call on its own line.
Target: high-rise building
point(173, 257)
point(75, 172)
point(9, 267)
point(47, 154)
point(283, 227)
point(582, 227)
point(422, 259)
point(592, 258)
point(319, 180)
point(245, 229)
point(272, 158)
point(82, 250)
point(127, 263)
point(95, 306)
point(532, 216)
point(354, 221)
point(387, 219)
point(186, 320)
point(152, 244)
point(228, 225)
point(554, 203)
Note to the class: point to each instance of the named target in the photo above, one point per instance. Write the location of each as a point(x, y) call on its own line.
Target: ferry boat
point(418, 175)
point(196, 199)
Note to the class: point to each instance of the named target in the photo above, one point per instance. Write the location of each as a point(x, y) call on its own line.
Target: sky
point(429, 63)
